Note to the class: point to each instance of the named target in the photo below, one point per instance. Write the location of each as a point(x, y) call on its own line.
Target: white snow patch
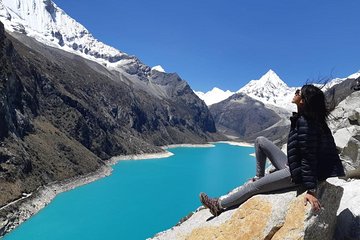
point(158, 68)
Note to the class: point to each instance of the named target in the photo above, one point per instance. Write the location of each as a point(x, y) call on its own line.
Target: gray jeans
point(278, 180)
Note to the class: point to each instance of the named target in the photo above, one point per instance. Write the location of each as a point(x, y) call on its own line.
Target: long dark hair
point(315, 106)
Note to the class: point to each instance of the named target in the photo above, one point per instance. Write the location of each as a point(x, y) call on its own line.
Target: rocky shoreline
point(31, 203)
point(22, 209)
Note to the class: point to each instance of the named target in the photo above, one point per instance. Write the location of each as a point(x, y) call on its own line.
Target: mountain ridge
point(49, 24)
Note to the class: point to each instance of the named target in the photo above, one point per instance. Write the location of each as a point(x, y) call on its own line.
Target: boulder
point(352, 151)
point(348, 213)
point(343, 135)
point(346, 114)
point(345, 123)
point(266, 216)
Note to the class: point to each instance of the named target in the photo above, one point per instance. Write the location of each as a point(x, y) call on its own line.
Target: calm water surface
point(140, 198)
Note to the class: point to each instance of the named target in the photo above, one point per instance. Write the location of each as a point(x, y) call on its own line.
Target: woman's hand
point(309, 197)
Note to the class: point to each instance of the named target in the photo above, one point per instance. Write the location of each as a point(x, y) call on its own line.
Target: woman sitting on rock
point(311, 156)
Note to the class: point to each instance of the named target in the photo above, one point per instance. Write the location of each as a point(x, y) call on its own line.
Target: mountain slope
point(242, 117)
point(61, 115)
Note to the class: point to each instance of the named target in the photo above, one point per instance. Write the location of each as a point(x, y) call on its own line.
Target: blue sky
point(227, 43)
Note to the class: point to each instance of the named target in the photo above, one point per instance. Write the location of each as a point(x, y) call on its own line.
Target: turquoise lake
point(141, 198)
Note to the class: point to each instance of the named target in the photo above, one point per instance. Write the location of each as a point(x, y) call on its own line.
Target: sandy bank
point(189, 145)
point(240, 144)
point(144, 156)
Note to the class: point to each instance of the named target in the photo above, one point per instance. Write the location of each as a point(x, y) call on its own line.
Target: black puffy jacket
point(311, 151)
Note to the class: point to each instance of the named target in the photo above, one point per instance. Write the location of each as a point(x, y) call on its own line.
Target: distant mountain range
point(270, 89)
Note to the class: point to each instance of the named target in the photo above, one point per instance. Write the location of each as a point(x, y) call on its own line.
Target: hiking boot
point(211, 203)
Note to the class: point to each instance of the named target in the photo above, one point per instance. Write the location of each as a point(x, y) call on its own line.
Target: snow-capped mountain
point(270, 90)
point(214, 96)
point(47, 23)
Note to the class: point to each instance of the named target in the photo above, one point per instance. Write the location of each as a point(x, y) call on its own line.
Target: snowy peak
point(269, 80)
point(214, 96)
point(270, 90)
point(47, 23)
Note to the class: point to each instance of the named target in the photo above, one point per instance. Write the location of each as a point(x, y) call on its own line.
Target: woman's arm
point(308, 144)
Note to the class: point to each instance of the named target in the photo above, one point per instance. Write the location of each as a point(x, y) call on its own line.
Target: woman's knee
point(259, 141)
